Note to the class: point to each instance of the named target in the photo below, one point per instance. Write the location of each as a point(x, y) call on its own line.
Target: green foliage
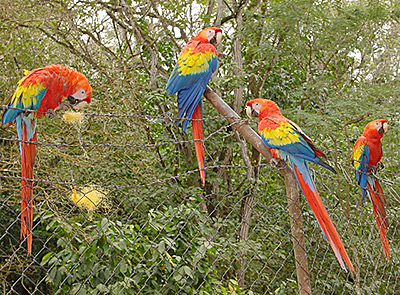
point(332, 66)
point(167, 253)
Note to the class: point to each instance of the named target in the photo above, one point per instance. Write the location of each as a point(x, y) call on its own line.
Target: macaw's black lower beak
point(251, 113)
point(72, 100)
point(213, 41)
point(381, 130)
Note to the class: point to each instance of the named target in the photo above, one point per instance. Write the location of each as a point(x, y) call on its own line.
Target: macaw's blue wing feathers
point(188, 99)
point(189, 78)
point(177, 82)
point(11, 114)
point(24, 98)
point(362, 169)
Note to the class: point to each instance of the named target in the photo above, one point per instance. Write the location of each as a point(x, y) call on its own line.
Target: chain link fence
point(117, 211)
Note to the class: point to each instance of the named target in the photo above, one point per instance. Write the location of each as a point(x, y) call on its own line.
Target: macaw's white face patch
point(210, 34)
point(80, 94)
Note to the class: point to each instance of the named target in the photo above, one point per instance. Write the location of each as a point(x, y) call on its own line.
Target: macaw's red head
point(80, 90)
point(211, 35)
point(64, 82)
point(261, 108)
point(376, 129)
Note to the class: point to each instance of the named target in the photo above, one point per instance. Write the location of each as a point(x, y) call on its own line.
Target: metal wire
point(162, 229)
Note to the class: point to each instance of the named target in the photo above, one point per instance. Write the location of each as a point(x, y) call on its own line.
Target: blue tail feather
point(30, 126)
point(302, 166)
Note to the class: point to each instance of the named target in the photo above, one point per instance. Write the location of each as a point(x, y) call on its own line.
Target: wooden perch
point(292, 191)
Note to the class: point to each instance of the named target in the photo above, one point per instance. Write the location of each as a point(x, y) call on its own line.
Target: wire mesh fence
point(118, 209)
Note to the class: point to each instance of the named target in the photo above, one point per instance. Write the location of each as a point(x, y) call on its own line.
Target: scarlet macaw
point(196, 63)
point(367, 153)
point(289, 142)
point(39, 93)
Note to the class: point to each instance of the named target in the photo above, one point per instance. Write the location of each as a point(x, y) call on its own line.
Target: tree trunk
point(248, 201)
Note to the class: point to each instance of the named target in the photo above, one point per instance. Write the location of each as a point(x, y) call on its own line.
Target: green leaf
point(46, 258)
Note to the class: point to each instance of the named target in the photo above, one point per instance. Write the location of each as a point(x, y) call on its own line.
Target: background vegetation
point(331, 65)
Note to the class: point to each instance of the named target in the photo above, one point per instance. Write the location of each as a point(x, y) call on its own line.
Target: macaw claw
point(65, 105)
point(50, 113)
point(277, 164)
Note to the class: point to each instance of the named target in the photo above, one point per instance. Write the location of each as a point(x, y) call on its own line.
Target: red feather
point(60, 82)
point(327, 226)
point(28, 161)
point(198, 136)
point(378, 204)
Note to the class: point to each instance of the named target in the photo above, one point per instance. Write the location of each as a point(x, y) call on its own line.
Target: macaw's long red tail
point(28, 151)
point(306, 183)
point(378, 204)
point(198, 136)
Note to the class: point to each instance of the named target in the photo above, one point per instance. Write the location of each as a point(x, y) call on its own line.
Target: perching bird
point(288, 142)
point(38, 94)
point(196, 63)
point(367, 153)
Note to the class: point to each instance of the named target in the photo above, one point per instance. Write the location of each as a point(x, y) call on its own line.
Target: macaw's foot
point(277, 164)
point(50, 113)
point(274, 162)
point(378, 167)
point(65, 105)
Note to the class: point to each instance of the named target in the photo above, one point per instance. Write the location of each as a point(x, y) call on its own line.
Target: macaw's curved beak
point(76, 103)
point(216, 39)
point(72, 100)
point(213, 41)
point(250, 112)
point(384, 128)
point(219, 37)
